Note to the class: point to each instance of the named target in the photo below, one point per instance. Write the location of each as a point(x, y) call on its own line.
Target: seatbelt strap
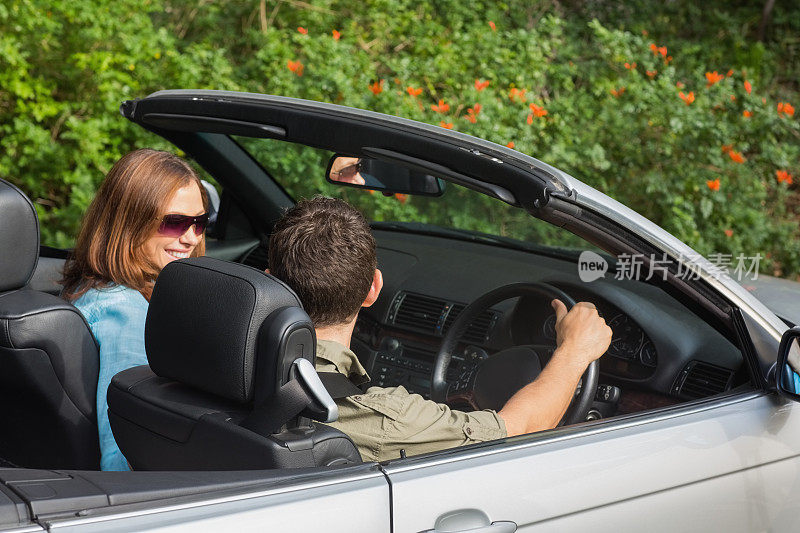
point(337, 385)
point(289, 401)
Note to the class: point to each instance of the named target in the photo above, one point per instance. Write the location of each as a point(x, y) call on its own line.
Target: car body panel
point(567, 481)
point(307, 507)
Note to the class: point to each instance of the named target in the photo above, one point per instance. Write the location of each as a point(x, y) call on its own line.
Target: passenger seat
point(48, 358)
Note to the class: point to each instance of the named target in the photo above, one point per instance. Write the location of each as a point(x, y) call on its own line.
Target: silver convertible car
point(687, 423)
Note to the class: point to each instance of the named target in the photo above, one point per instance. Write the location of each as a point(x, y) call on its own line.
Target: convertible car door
point(725, 464)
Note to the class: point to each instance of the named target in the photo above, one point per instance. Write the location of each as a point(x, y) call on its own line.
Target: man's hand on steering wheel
point(582, 337)
point(541, 398)
point(581, 332)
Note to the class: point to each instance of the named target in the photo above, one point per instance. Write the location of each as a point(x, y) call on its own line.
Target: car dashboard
point(661, 353)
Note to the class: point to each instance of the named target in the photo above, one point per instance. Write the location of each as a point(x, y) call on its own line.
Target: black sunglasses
point(349, 171)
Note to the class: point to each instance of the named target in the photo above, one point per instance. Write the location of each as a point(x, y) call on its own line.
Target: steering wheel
point(494, 380)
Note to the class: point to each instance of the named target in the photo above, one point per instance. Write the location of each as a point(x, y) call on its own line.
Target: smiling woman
point(149, 211)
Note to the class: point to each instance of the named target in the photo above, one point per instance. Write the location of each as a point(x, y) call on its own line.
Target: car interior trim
point(416, 163)
point(226, 126)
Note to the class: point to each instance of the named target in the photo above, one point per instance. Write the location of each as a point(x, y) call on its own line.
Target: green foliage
point(66, 66)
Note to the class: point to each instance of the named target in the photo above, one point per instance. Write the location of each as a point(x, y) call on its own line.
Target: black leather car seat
point(48, 357)
point(223, 342)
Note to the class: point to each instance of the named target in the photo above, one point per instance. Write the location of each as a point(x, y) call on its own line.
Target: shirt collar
point(343, 359)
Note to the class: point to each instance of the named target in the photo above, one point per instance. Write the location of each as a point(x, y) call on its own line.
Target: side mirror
point(787, 370)
point(374, 174)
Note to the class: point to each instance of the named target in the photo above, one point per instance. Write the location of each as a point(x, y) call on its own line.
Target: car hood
point(781, 296)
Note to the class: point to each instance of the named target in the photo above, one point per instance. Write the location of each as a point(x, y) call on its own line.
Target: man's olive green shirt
point(383, 421)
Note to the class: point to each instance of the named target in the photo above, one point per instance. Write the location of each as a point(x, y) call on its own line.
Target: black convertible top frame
point(492, 169)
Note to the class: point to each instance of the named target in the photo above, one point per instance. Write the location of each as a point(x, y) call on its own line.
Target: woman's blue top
point(116, 316)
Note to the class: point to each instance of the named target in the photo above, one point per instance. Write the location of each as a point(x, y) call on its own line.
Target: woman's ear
point(374, 289)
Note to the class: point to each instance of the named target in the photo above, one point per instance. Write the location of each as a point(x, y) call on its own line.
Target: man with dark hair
point(323, 248)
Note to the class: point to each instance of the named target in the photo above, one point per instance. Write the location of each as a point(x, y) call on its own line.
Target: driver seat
point(230, 383)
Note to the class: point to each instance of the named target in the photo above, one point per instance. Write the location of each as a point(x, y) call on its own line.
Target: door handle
point(470, 521)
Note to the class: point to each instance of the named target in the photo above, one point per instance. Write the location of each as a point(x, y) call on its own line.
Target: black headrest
point(207, 325)
point(19, 238)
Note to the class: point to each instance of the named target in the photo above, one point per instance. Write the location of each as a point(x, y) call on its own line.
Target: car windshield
point(459, 212)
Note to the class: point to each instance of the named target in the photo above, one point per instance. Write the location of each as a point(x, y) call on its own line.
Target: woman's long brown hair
point(125, 212)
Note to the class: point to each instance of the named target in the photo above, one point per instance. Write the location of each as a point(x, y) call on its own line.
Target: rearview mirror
point(374, 174)
point(787, 374)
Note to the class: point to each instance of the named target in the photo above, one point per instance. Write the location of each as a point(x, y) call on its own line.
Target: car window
point(300, 170)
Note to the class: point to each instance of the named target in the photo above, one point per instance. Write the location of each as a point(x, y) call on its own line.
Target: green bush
point(558, 88)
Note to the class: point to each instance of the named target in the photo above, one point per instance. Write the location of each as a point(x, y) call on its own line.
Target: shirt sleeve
point(417, 425)
point(119, 330)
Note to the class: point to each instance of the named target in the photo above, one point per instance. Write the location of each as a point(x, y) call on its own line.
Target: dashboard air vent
point(478, 331)
point(434, 316)
point(699, 380)
point(258, 257)
point(418, 312)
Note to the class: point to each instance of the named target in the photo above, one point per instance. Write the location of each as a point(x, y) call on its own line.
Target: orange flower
point(446, 125)
point(296, 67)
point(538, 111)
point(652, 73)
point(516, 94)
point(302, 30)
point(414, 92)
point(747, 114)
point(471, 117)
point(529, 120)
point(477, 108)
point(726, 148)
point(481, 85)
point(788, 109)
point(630, 66)
point(782, 176)
point(730, 73)
point(680, 85)
point(713, 184)
point(687, 98)
point(747, 87)
point(654, 48)
point(376, 87)
point(737, 157)
point(491, 25)
point(729, 233)
point(733, 98)
point(663, 51)
point(713, 77)
point(402, 198)
point(667, 59)
point(510, 144)
point(441, 107)
point(618, 92)
point(336, 35)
